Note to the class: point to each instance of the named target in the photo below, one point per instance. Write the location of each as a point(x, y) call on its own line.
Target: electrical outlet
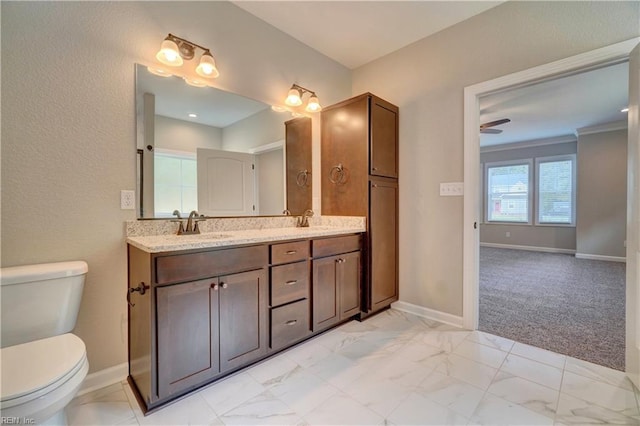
point(127, 199)
point(451, 189)
point(508, 234)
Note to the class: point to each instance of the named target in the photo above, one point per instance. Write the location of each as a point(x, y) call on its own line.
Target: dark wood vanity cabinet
point(206, 313)
point(290, 293)
point(203, 318)
point(360, 178)
point(337, 280)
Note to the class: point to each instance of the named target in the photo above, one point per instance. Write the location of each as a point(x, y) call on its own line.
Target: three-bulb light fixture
point(294, 98)
point(175, 50)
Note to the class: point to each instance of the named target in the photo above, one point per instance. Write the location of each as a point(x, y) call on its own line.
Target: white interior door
point(632, 361)
point(226, 183)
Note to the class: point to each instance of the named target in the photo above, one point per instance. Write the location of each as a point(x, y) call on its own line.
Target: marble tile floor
point(392, 369)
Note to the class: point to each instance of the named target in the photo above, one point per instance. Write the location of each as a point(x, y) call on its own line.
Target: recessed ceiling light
point(192, 115)
point(624, 110)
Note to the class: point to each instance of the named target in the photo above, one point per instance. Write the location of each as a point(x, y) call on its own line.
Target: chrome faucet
point(303, 220)
point(192, 223)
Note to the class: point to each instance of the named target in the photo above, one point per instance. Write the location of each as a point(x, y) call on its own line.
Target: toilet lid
point(29, 367)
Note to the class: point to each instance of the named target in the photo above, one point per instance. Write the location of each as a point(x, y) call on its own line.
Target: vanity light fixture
point(174, 50)
point(294, 98)
point(192, 115)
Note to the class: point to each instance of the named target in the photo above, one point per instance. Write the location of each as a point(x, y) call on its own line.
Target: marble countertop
point(163, 243)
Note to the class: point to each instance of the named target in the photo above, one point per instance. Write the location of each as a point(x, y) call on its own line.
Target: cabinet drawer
point(289, 323)
point(330, 246)
point(194, 266)
point(289, 252)
point(289, 282)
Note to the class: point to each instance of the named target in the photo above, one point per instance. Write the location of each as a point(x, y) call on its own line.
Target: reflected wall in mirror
point(215, 152)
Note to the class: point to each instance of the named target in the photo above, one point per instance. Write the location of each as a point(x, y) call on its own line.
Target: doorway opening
point(476, 206)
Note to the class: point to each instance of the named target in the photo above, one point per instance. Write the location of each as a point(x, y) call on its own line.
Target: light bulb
point(293, 98)
point(207, 66)
point(169, 54)
point(313, 105)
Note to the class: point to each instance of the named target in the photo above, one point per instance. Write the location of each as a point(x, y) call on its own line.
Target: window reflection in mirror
point(212, 151)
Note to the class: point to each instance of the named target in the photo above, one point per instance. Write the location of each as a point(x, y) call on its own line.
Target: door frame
point(597, 58)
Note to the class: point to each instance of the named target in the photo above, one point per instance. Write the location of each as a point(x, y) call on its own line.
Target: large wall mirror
point(221, 154)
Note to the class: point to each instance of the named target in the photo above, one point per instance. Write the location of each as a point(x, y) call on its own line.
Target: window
point(175, 183)
point(508, 191)
point(555, 196)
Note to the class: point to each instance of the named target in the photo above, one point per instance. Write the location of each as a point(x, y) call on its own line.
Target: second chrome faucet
point(192, 223)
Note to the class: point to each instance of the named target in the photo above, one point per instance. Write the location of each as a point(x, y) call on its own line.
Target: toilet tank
point(40, 300)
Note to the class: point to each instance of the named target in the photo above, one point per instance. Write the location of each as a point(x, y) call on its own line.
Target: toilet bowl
point(42, 364)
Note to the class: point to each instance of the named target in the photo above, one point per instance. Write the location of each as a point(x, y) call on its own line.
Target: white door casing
point(226, 183)
point(632, 353)
point(471, 215)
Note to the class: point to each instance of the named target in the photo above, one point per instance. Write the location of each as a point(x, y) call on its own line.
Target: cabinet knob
point(214, 287)
point(291, 322)
point(292, 282)
point(375, 169)
point(224, 285)
point(291, 252)
point(340, 260)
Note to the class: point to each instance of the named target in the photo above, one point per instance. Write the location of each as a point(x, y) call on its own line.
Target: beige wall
point(68, 127)
point(262, 128)
point(271, 183)
point(602, 194)
point(553, 237)
point(426, 80)
point(181, 135)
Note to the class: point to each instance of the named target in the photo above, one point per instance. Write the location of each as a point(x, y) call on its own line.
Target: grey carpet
point(555, 301)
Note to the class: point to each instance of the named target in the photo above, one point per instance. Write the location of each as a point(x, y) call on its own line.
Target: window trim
point(552, 159)
point(494, 164)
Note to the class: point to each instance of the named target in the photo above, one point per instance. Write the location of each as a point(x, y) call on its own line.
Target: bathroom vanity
point(204, 306)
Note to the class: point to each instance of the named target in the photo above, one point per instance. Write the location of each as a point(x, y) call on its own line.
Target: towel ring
point(337, 174)
point(302, 179)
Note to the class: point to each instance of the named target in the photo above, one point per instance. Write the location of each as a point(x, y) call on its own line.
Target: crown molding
point(607, 127)
point(529, 144)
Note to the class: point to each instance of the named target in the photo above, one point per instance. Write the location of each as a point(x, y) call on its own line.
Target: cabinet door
point(384, 138)
point(349, 279)
point(298, 148)
point(383, 243)
point(187, 338)
point(325, 293)
point(345, 158)
point(243, 318)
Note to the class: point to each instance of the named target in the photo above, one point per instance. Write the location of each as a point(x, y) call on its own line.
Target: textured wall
point(181, 135)
point(601, 227)
point(426, 80)
point(68, 127)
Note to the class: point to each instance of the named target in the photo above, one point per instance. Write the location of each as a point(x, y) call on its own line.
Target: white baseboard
point(530, 248)
point(428, 313)
point(601, 257)
point(104, 378)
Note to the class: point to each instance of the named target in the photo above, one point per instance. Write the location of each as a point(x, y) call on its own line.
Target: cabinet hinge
point(253, 167)
point(254, 207)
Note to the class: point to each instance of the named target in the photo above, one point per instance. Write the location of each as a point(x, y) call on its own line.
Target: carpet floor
point(554, 301)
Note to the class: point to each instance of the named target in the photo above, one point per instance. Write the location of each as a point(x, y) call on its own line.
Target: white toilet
point(42, 363)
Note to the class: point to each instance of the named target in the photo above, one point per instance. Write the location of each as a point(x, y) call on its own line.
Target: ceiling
point(176, 99)
point(354, 33)
point(557, 107)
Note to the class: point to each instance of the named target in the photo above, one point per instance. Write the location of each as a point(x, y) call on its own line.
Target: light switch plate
point(127, 199)
point(451, 189)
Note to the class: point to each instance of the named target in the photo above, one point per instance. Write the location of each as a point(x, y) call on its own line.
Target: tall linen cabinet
point(360, 178)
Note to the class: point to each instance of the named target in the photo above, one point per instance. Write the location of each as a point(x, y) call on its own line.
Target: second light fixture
point(174, 49)
point(294, 98)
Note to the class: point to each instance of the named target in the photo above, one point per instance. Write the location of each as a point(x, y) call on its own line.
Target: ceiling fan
point(485, 127)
